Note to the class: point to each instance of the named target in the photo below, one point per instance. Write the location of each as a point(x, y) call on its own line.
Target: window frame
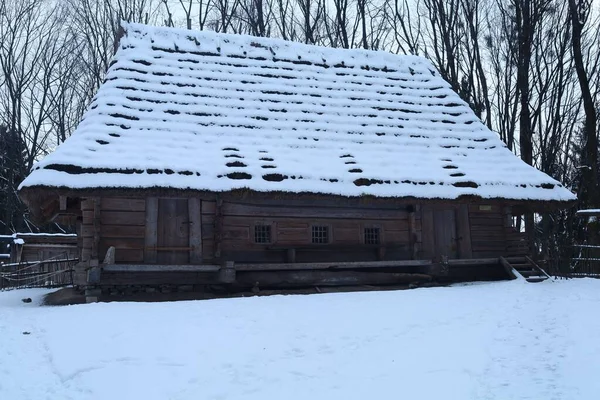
point(329, 231)
point(364, 235)
point(258, 224)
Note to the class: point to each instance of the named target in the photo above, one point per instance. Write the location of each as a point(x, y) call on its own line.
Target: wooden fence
point(56, 271)
point(584, 261)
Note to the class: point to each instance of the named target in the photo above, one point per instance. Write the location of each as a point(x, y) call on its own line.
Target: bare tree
point(579, 12)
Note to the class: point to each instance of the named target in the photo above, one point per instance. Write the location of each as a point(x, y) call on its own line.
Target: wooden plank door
point(173, 227)
point(445, 235)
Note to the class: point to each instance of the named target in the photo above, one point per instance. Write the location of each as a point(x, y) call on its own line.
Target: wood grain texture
point(151, 231)
point(195, 230)
point(173, 231)
point(463, 228)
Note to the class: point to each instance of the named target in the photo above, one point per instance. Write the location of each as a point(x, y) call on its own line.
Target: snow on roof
point(591, 211)
point(206, 111)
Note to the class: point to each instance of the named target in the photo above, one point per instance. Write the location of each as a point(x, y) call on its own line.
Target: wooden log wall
point(122, 225)
point(228, 233)
point(488, 234)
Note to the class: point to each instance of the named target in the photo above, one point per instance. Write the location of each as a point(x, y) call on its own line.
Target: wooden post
point(291, 255)
point(151, 234)
point(195, 233)
point(227, 272)
point(218, 227)
point(96, 225)
point(465, 250)
point(62, 203)
point(412, 234)
point(427, 230)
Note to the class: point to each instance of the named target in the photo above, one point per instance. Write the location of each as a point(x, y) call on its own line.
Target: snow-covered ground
point(503, 340)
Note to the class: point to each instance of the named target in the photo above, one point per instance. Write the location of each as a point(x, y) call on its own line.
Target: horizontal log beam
point(289, 279)
point(331, 265)
point(474, 261)
point(160, 268)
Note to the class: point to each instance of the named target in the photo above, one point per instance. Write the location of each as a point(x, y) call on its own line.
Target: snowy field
point(503, 340)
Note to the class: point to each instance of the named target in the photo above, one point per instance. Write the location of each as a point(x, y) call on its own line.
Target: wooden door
point(173, 227)
point(445, 236)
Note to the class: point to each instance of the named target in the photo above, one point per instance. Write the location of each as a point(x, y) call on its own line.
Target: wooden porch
point(240, 276)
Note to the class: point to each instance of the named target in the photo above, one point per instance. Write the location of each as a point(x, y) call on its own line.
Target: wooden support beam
point(160, 268)
point(508, 268)
point(227, 272)
point(463, 227)
point(291, 255)
point(289, 279)
point(218, 227)
point(151, 234)
point(195, 230)
point(332, 265)
point(97, 226)
point(412, 235)
point(427, 232)
point(474, 261)
point(62, 200)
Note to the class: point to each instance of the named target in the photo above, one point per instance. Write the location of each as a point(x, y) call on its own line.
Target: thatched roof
point(187, 110)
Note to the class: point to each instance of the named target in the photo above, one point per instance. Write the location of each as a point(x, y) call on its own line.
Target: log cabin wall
point(229, 232)
point(122, 225)
point(488, 231)
point(117, 222)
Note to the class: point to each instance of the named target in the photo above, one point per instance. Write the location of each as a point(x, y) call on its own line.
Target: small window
point(372, 236)
point(320, 234)
point(262, 233)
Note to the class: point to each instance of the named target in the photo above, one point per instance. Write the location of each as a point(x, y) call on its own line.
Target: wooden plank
point(292, 236)
point(396, 237)
point(62, 200)
point(474, 261)
point(123, 243)
point(123, 231)
point(327, 202)
point(195, 234)
point(287, 279)
point(87, 205)
point(344, 235)
point(236, 233)
point(126, 255)
point(412, 236)
point(487, 208)
point(173, 230)
point(427, 232)
point(463, 228)
point(331, 265)
point(444, 221)
point(508, 268)
point(97, 222)
point(218, 228)
point(161, 268)
point(310, 212)
point(151, 233)
point(123, 204)
point(123, 218)
point(208, 207)
point(208, 226)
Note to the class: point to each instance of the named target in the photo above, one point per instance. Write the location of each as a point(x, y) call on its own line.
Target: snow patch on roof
point(206, 111)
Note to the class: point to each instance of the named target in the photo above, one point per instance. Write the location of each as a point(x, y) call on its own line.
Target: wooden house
point(212, 158)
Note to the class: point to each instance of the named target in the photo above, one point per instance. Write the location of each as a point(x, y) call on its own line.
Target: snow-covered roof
point(205, 111)
point(591, 211)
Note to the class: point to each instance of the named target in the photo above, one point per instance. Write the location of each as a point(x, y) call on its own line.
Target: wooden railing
point(53, 272)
